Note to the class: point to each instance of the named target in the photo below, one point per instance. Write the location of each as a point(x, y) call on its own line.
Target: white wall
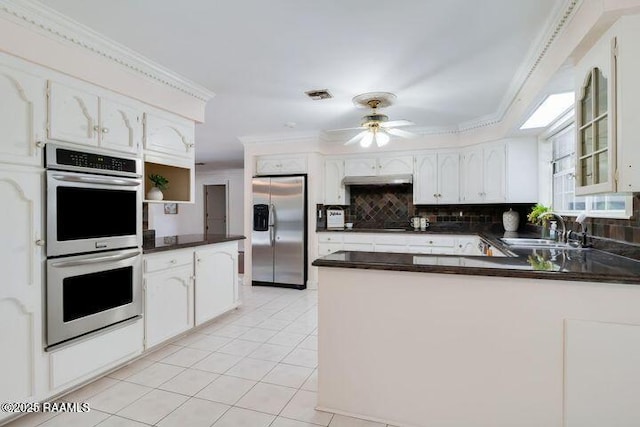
point(190, 217)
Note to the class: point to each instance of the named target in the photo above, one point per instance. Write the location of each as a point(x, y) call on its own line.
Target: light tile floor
point(254, 367)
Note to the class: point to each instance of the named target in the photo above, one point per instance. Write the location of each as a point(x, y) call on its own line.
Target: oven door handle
point(96, 260)
point(96, 180)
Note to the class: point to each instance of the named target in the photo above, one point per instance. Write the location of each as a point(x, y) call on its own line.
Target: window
point(564, 182)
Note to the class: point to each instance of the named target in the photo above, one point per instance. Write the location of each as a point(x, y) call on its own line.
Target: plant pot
point(155, 194)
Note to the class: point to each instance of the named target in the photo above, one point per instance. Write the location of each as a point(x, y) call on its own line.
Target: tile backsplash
point(391, 206)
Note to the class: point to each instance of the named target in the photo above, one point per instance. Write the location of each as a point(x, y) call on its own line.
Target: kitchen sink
point(541, 243)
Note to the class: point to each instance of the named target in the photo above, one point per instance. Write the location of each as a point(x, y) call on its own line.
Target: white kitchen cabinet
point(82, 117)
point(168, 296)
point(522, 170)
point(281, 165)
point(483, 174)
point(216, 287)
point(335, 193)
point(468, 246)
point(22, 116)
point(382, 165)
point(168, 135)
point(21, 263)
point(436, 178)
point(365, 166)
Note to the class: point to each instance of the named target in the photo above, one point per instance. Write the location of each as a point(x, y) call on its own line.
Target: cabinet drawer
point(162, 262)
point(329, 238)
point(392, 248)
point(360, 247)
point(431, 240)
point(359, 238)
point(329, 248)
point(392, 239)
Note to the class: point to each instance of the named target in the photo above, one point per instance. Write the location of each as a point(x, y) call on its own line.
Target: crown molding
point(57, 26)
point(303, 136)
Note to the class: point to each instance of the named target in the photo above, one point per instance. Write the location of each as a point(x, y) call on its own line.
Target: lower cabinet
point(216, 280)
point(168, 304)
point(184, 288)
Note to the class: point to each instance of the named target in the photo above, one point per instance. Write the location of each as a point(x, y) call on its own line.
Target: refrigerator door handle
point(272, 224)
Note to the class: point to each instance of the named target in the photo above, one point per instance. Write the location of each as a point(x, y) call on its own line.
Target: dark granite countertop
point(578, 264)
point(168, 243)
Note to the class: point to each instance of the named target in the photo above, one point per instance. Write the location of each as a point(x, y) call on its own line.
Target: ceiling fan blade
point(402, 133)
point(382, 138)
point(356, 138)
point(396, 123)
point(344, 129)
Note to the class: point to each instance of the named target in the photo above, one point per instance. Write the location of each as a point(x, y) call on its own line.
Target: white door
point(495, 169)
point(360, 167)
point(216, 279)
point(425, 185)
point(73, 115)
point(22, 116)
point(168, 304)
point(448, 178)
point(21, 308)
point(169, 135)
point(471, 185)
point(334, 190)
point(120, 126)
point(395, 165)
point(215, 213)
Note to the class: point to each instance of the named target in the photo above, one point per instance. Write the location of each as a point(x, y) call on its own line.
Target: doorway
point(215, 209)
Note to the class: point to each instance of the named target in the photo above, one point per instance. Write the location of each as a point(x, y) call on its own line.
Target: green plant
point(159, 181)
point(539, 263)
point(534, 216)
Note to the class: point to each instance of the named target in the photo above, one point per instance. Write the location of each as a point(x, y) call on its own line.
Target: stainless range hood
point(378, 180)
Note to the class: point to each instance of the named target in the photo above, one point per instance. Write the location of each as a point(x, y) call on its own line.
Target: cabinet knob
point(96, 128)
point(435, 195)
point(40, 242)
point(173, 261)
point(439, 195)
point(40, 144)
point(431, 242)
point(105, 130)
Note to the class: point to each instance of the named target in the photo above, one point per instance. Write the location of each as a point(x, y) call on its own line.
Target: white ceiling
point(449, 62)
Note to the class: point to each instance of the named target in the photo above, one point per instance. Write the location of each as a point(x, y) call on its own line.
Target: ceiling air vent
point(319, 94)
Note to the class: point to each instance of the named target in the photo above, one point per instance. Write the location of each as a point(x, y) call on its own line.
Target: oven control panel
point(85, 160)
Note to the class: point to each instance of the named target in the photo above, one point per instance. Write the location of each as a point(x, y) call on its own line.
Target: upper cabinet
point(169, 135)
point(80, 116)
point(383, 165)
point(267, 165)
point(22, 116)
point(607, 105)
point(483, 174)
point(436, 179)
point(335, 192)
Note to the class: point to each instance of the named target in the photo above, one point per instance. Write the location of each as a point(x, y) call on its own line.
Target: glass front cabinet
point(595, 120)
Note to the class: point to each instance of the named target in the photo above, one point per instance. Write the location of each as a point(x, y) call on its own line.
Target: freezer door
point(261, 233)
point(288, 201)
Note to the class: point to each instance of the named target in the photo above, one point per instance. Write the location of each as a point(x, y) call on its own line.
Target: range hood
point(378, 180)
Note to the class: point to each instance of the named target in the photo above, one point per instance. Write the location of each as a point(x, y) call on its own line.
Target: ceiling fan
point(376, 126)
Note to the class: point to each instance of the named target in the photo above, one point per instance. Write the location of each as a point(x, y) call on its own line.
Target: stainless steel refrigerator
point(279, 232)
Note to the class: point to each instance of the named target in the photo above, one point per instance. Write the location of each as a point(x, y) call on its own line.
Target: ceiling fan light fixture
point(366, 140)
point(382, 138)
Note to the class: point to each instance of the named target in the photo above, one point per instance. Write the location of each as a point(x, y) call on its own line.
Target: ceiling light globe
point(366, 140)
point(382, 139)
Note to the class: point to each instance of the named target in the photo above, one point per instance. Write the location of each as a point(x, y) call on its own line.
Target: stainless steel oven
point(89, 292)
point(94, 201)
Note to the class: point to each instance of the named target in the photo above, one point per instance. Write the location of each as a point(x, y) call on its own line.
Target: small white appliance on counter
point(335, 219)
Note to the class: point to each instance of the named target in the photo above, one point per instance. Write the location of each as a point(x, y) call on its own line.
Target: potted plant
point(535, 216)
point(159, 184)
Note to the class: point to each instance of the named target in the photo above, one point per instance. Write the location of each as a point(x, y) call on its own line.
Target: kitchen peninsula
point(421, 340)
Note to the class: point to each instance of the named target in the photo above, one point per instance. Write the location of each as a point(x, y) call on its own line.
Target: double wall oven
point(94, 239)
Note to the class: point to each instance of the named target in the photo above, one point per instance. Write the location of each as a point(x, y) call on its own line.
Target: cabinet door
point(448, 178)
point(334, 190)
point(425, 184)
point(471, 185)
point(22, 116)
point(468, 246)
point(121, 126)
point(292, 165)
point(360, 167)
point(395, 165)
point(20, 292)
point(216, 281)
point(169, 135)
point(73, 115)
point(494, 175)
point(328, 248)
point(168, 304)
point(276, 166)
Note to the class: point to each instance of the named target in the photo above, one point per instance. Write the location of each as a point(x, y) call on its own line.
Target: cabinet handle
point(96, 128)
point(40, 242)
point(105, 130)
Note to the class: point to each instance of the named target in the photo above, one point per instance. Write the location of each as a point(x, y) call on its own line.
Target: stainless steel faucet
point(563, 236)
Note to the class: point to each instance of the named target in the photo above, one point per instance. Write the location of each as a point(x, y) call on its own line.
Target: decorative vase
point(155, 194)
point(510, 220)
